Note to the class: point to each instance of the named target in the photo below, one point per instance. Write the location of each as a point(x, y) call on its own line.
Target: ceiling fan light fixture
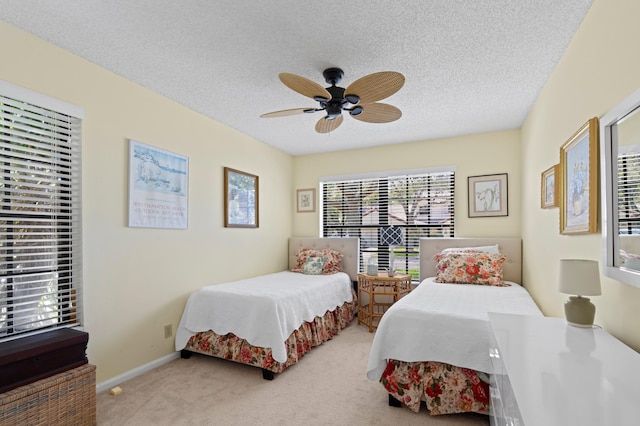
point(334, 109)
point(352, 99)
point(356, 110)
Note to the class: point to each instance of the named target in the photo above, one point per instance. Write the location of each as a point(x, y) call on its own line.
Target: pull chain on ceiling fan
point(359, 99)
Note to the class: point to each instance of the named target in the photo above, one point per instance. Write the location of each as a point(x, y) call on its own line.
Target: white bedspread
point(263, 310)
point(446, 323)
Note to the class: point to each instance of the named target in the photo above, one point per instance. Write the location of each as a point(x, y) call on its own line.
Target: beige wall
point(136, 280)
point(481, 154)
point(600, 68)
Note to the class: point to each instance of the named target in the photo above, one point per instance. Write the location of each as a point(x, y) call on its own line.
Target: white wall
point(600, 68)
point(137, 280)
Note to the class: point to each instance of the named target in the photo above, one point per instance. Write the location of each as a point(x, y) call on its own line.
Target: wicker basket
point(68, 398)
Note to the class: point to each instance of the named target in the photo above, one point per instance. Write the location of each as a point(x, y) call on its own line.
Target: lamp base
point(579, 311)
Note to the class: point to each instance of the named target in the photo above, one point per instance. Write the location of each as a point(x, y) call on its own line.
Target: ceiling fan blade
point(378, 113)
point(304, 86)
point(325, 126)
point(286, 112)
point(375, 87)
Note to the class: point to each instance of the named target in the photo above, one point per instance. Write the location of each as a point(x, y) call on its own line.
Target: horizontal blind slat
point(421, 205)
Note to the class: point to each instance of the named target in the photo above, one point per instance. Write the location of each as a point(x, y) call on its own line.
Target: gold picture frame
point(306, 200)
point(549, 190)
point(579, 181)
point(240, 199)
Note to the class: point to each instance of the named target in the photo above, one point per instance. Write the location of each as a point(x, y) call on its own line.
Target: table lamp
point(581, 278)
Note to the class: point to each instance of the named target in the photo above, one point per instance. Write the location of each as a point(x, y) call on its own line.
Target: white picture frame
point(488, 195)
point(158, 188)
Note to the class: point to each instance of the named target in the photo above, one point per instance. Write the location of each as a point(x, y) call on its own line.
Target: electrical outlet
point(168, 331)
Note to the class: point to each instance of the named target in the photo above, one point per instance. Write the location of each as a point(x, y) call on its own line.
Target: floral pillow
point(470, 267)
point(331, 260)
point(313, 266)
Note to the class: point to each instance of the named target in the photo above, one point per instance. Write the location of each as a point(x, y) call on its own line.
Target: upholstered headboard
point(348, 246)
point(511, 247)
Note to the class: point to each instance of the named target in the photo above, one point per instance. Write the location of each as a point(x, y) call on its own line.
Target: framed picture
point(579, 180)
point(488, 195)
point(240, 199)
point(549, 190)
point(158, 187)
point(306, 200)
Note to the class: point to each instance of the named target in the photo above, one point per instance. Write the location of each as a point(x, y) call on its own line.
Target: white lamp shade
point(579, 277)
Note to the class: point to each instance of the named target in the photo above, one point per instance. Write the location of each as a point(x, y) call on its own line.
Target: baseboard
point(115, 381)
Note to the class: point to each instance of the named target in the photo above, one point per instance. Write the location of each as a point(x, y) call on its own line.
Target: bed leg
point(267, 374)
point(185, 354)
point(393, 402)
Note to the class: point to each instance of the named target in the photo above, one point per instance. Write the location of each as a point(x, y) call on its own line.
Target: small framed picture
point(240, 199)
point(488, 195)
point(549, 190)
point(306, 200)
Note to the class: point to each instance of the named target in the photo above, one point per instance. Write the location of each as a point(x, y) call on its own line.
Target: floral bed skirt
point(301, 341)
point(445, 388)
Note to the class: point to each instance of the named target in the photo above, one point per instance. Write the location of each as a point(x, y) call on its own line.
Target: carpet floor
point(327, 387)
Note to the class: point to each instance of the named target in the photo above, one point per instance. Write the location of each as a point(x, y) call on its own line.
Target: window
point(629, 192)
point(416, 205)
point(40, 213)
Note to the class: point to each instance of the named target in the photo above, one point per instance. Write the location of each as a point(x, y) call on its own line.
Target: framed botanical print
point(549, 190)
point(488, 195)
point(579, 181)
point(306, 200)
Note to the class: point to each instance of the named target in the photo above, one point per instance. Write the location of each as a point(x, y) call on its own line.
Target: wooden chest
point(29, 359)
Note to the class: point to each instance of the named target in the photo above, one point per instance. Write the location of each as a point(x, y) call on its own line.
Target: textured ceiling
point(471, 66)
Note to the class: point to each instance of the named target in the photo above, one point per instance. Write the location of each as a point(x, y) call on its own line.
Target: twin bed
point(432, 345)
point(272, 320)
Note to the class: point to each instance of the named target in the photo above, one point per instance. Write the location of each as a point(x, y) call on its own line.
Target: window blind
point(390, 214)
point(40, 217)
point(629, 193)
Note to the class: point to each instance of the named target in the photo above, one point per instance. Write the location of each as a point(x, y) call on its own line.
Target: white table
point(550, 373)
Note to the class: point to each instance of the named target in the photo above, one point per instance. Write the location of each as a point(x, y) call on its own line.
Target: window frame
point(40, 212)
point(412, 232)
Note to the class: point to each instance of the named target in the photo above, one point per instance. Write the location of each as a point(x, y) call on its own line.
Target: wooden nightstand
point(381, 292)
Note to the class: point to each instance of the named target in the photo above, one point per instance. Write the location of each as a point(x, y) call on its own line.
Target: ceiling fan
point(359, 99)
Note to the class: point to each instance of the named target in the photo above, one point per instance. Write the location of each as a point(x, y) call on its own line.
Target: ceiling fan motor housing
point(337, 102)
